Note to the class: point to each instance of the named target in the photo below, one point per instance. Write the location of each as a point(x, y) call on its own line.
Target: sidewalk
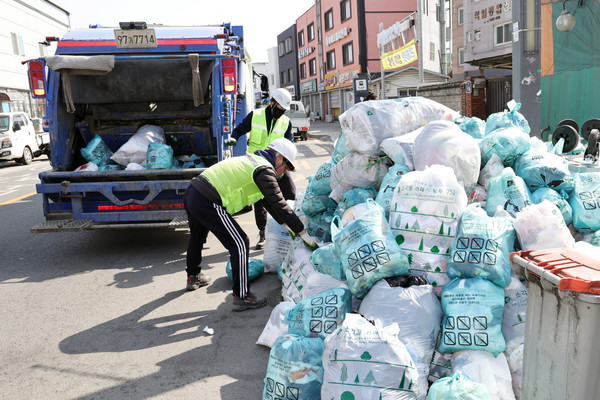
point(320, 128)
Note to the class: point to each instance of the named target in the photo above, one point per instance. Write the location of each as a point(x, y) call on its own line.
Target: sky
point(262, 20)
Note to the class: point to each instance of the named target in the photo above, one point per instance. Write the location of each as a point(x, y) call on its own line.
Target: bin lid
point(572, 270)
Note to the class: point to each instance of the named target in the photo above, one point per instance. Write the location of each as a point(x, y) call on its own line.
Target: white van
point(19, 140)
point(299, 119)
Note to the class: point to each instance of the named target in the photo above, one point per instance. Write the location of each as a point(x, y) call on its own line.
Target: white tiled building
point(24, 24)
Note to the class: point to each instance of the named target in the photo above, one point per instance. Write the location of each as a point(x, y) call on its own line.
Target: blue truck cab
point(194, 82)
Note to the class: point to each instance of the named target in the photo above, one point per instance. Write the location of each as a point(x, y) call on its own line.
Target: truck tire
point(304, 135)
point(27, 156)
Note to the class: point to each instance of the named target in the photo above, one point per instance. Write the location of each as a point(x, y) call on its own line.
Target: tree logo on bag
point(367, 258)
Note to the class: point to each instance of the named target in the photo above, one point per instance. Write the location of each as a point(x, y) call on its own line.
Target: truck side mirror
point(16, 127)
point(264, 86)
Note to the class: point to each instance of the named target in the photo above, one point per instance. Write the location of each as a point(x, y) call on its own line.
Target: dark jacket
point(246, 126)
point(266, 180)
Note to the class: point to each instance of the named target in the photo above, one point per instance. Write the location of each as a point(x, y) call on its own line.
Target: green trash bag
point(255, 269)
point(458, 386)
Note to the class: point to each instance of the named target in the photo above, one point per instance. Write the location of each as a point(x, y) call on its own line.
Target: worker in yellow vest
point(222, 191)
point(265, 125)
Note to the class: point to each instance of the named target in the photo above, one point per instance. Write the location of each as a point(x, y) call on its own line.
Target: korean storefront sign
point(403, 56)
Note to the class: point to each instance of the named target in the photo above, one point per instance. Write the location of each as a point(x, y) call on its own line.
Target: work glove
point(230, 142)
point(309, 241)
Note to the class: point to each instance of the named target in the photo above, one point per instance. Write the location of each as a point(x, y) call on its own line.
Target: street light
point(565, 21)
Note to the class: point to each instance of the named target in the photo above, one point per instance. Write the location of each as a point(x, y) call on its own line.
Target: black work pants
point(205, 216)
point(288, 189)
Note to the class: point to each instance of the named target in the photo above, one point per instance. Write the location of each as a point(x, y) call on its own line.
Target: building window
point(310, 32)
point(330, 60)
point(431, 51)
point(477, 34)
point(329, 20)
point(461, 56)
point(281, 47)
point(283, 77)
point(345, 10)
point(301, 38)
point(288, 45)
point(460, 16)
point(312, 66)
point(303, 71)
point(469, 36)
point(347, 54)
point(17, 44)
point(290, 74)
point(503, 34)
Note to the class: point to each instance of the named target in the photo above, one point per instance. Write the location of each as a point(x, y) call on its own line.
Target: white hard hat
point(283, 97)
point(286, 148)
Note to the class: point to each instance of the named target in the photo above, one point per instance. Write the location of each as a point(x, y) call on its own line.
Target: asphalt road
point(103, 314)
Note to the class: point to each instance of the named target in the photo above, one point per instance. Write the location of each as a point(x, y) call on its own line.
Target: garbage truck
point(104, 84)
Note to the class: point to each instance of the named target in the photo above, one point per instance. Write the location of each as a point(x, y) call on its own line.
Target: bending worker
point(266, 125)
point(223, 190)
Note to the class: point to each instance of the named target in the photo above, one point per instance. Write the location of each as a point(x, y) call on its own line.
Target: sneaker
point(250, 301)
point(261, 240)
point(196, 281)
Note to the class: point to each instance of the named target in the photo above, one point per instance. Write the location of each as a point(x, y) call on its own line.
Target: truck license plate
point(135, 38)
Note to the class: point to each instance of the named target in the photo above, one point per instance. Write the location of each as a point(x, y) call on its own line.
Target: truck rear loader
point(108, 82)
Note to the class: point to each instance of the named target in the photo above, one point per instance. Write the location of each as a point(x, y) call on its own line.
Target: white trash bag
point(483, 367)
point(276, 325)
point(542, 226)
point(444, 143)
point(356, 170)
point(368, 362)
point(136, 148)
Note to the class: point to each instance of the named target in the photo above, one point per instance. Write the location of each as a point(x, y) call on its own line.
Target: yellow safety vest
point(234, 180)
point(259, 137)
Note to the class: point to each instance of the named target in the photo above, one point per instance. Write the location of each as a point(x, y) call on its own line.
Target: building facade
point(23, 29)
point(338, 41)
point(288, 66)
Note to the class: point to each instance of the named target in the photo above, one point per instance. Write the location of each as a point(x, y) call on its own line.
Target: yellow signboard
point(400, 57)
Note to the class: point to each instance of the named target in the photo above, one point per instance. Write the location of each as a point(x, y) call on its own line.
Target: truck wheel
point(304, 135)
point(27, 156)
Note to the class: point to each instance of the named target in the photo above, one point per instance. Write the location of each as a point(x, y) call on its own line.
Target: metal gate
point(499, 92)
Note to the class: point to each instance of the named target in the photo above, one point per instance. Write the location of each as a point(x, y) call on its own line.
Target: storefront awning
point(503, 61)
point(8, 97)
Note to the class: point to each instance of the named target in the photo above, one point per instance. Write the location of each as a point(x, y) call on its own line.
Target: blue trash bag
point(295, 368)
point(319, 226)
point(560, 200)
point(159, 156)
point(507, 191)
point(507, 119)
point(585, 202)
point(472, 319)
point(389, 183)
point(367, 249)
point(314, 204)
point(543, 169)
point(482, 247)
point(321, 314)
point(472, 125)
point(255, 269)
point(319, 184)
point(194, 162)
point(353, 197)
point(326, 260)
point(339, 149)
point(97, 151)
point(507, 143)
point(458, 386)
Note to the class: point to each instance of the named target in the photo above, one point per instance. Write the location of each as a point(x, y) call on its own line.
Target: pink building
point(338, 42)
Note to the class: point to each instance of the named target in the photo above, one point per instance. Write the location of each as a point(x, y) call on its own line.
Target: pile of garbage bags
point(146, 149)
point(411, 294)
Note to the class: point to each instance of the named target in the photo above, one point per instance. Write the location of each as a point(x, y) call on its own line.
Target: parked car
point(299, 119)
point(19, 140)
